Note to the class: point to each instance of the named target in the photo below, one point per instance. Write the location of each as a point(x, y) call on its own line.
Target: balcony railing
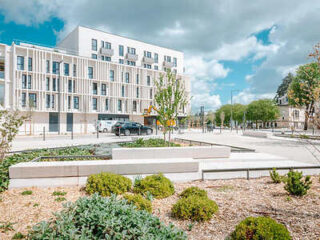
point(1, 74)
point(167, 64)
point(107, 52)
point(148, 60)
point(132, 57)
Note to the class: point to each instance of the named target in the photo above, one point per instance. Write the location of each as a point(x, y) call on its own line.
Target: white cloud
point(246, 96)
point(173, 31)
point(211, 102)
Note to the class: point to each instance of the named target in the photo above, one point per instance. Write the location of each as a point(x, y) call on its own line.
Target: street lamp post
point(202, 117)
point(231, 117)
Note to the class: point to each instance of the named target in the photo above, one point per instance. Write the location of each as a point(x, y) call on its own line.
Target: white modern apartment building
point(90, 75)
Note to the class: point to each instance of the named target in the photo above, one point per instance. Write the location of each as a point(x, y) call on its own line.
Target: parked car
point(105, 125)
point(128, 128)
point(114, 127)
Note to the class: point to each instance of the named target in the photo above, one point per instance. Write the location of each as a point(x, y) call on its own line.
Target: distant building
point(290, 117)
point(90, 75)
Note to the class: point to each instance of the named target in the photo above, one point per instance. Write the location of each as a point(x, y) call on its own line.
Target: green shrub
point(152, 142)
point(27, 192)
point(60, 199)
point(253, 228)
point(106, 184)
point(18, 235)
point(193, 191)
point(158, 185)
point(194, 208)
point(97, 217)
point(28, 156)
point(295, 185)
point(59, 193)
point(275, 176)
point(139, 201)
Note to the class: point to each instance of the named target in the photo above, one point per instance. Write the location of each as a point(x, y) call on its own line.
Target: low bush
point(106, 184)
point(152, 142)
point(28, 156)
point(275, 176)
point(59, 193)
point(97, 217)
point(157, 185)
point(139, 201)
point(253, 228)
point(193, 191)
point(60, 199)
point(18, 235)
point(194, 208)
point(295, 184)
point(27, 192)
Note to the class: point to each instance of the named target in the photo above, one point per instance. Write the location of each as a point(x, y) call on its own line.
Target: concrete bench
point(197, 152)
point(255, 134)
point(86, 168)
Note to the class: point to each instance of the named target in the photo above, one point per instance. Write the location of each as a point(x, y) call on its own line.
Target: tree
point(10, 121)
point(264, 110)
point(237, 113)
point(283, 87)
point(226, 109)
point(304, 88)
point(210, 118)
point(170, 97)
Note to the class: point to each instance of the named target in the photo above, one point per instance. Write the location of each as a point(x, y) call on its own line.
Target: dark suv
point(128, 128)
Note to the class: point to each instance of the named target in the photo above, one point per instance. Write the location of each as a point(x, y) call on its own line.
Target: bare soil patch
point(236, 198)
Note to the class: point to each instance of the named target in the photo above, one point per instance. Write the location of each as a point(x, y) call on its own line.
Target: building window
point(156, 58)
point(94, 103)
point(108, 59)
point(74, 70)
point(131, 50)
point(119, 105)
point(48, 101)
point(76, 102)
point(137, 79)
point(122, 91)
point(120, 50)
point(107, 45)
point(121, 61)
point(70, 86)
point(134, 106)
point(147, 54)
point(52, 101)
point(23, 99)
point(131, 63)
point(32, 100)
point(94, 44)
point(150, 93)
point(103, 89)
point(54, 84)
point(30, 64)
point(90, 72)
point(66, 69)
point(175, 62)
point(74, 86)
point(55, 67)
point(112, 75)
point(48, 66)
point(48, 84)
point(167, 58)
point(107, 105)
point(156, 67)
point(102, 58)
point(127, 77)
point(69, 102)
point(94, 88)
point(29, 81)
point(137, 92)
point(24, 81)
point(94, 56)
point(148, 80)
point(147, 66)
point(20, 63)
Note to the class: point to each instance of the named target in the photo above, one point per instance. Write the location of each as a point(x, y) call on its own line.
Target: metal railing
point(247, 170)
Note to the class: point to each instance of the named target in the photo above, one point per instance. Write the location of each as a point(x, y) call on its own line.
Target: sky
point(242, 46)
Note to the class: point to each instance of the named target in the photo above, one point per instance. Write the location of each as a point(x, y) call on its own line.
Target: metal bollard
point(248, 177)
point(72, 133)
point(97, 132)
point(44, 133)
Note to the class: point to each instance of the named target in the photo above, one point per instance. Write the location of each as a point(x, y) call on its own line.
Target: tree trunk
point(169, 138)
point(306, 119)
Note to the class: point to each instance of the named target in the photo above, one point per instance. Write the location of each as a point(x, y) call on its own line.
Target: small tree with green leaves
point(10, 121)
point(170, 97)
point(295, 184)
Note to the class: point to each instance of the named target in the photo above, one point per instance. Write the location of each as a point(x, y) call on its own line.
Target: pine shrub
point(194, 208)
point(97, 217)
point(263, 228)
point(275, 176)
point(157, 185)
point(106, 184)
point(193, 191)
point(295, 184)
point(139, 201)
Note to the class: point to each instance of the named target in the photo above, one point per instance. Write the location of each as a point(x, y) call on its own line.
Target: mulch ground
point(236, 198)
